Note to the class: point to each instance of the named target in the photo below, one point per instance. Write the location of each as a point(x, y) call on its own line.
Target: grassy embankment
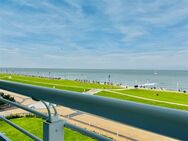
point(59, 84)
point(168, 99)
point(34, 125)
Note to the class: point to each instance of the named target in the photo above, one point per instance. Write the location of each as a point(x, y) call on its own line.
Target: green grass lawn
point(59, 84)
point(159, 95)
point(35, 126)
point(174, 97)
point(166, 96)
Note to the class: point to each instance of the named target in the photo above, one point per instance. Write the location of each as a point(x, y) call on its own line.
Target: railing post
point(53, 131)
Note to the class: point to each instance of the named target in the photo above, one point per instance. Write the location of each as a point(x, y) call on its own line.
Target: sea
point(167, 79)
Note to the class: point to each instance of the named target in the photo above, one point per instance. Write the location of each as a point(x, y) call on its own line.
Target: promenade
point(102, 126)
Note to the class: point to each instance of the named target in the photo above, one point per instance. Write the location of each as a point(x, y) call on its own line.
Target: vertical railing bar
point(55, 110)
point(48, 109)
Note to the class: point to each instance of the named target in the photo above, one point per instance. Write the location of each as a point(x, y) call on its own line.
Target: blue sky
point(118, 34)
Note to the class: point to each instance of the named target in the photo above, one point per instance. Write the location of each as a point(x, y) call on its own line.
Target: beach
point(166, 79)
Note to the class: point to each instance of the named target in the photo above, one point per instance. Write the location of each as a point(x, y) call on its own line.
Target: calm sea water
point(169, 79)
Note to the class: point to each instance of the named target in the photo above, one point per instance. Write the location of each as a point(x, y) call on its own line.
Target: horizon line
point(94, 68)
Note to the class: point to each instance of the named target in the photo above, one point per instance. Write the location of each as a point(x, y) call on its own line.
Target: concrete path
point(102, 126)
point(93, 91)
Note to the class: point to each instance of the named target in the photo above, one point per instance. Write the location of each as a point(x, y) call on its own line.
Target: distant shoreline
point(108, 83)
point(134, 69)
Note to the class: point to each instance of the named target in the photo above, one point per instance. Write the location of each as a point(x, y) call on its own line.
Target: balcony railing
point(164, 121)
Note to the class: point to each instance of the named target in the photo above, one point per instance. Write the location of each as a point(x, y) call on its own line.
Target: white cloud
point(121, 35)
point(131, 33)
point(4, 50)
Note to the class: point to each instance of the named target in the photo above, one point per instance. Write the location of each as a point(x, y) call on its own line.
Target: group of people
point(184, 91)
point(154, 88)
point(87, 81)
point(97, 82)
point(39, 76)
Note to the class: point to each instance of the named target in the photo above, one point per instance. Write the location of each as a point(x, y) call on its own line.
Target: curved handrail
point(169, 122)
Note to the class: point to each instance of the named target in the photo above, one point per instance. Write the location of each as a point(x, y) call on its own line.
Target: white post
point(177, 86)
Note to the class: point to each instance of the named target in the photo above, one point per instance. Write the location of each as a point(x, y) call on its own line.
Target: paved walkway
point(93, 91)
point(102, 126)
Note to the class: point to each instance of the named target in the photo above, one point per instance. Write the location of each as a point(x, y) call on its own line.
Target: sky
point(111, 34)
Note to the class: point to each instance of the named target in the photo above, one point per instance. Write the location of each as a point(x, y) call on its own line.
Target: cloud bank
point(118, 34)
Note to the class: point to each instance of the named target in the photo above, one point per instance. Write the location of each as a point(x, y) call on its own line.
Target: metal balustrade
point(3, 137)
point(164, 121)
